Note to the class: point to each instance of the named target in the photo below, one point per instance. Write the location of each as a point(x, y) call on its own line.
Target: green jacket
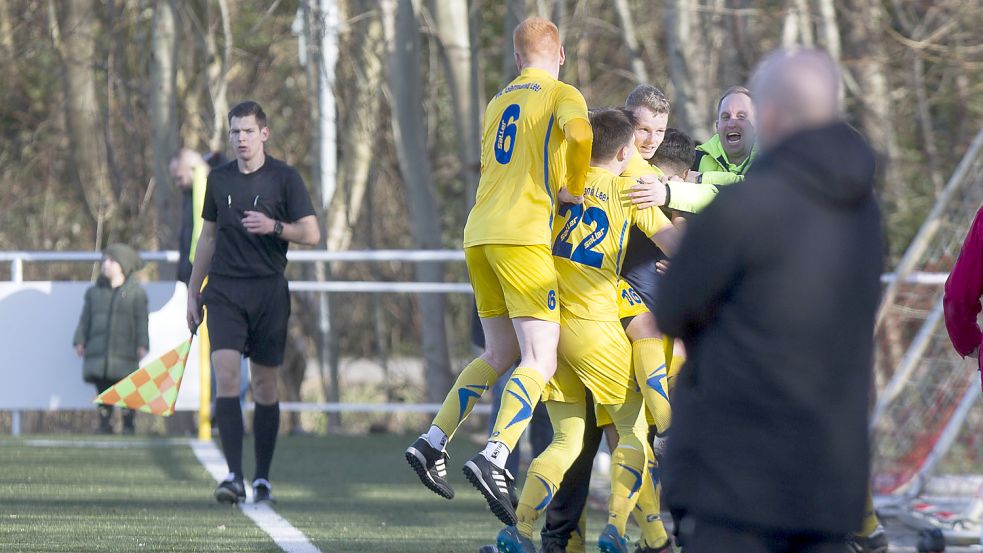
point(113, 324)
point(715, 170)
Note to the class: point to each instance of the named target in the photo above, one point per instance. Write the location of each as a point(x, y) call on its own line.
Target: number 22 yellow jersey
point(589, 242)
point(522, 160)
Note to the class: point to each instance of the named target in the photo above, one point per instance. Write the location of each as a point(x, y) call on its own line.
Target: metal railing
point(18, 258)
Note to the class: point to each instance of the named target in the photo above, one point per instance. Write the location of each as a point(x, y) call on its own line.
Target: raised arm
point(579, 140)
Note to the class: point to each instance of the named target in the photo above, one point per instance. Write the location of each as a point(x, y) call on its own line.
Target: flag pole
point(205, 379)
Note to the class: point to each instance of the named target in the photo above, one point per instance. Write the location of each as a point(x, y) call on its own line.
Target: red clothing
point(963, 289)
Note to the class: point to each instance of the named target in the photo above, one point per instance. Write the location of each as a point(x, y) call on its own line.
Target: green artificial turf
point(345, 493)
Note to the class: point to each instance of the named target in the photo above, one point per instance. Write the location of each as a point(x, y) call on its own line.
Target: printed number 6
point(505, 136)
point(551, 300)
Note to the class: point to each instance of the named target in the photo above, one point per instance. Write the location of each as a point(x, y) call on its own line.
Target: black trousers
point(705, 536)
point(563, 513)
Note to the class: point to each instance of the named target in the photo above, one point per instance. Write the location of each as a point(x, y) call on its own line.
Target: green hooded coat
point(114, 321)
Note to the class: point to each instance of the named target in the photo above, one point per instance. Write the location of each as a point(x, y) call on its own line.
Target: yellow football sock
point(648, 510)
point(473, 381)
point(541, 482)
point(546, 471)
point(575, 544)
point(668, 344)
point(648, 361)
point(627, 468)
point(675, 361)
point(870, 516)
point(520, 397)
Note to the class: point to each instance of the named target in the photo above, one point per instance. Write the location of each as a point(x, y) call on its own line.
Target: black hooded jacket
point(774, 291)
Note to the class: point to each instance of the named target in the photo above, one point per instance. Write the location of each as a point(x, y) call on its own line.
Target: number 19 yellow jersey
point(522, 160)
point(589, 243)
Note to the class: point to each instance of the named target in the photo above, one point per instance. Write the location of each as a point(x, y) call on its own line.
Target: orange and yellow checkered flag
point(152, 388)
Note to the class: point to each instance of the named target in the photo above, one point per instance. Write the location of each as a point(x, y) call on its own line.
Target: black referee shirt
point(276, 190)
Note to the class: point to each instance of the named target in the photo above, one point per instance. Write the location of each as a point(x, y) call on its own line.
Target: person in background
point(535, 150)
point(769, 447)
point(254, 208)
point(112, 334)
point(963, 289)
point(189, 171)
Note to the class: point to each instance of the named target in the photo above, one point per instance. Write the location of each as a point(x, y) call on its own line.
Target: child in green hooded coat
point(112, 334)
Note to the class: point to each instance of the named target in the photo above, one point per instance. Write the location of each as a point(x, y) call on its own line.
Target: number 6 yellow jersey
point(522, 160)
point(589, 244)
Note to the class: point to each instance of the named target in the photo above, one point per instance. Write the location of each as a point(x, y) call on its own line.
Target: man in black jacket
point(769, 448)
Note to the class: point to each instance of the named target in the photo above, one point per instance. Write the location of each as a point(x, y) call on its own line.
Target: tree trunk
point(326, 342)
point(360, 126)
point(829, 29)
point(163, 124)
point(453, 30)
point(403, 45)
point(634, 49)
point(515, 13)
point(684, 69)
point(6, 36)
point(217, 70)
point(76, 49)
point(868, 66)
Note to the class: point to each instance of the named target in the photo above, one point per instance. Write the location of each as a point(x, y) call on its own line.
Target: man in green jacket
point(725, 158)
point(722, 160)
point(112, 333)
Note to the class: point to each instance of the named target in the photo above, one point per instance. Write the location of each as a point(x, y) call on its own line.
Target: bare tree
point(515, 12)
point(403, 45)
point(867, 67)
point(634, 48)
point(685, 72)
point(322, 323)
point(453, 30)
point(6, 36)
point(360, 122)
point(73, 32)
point(164, 120)
point(829, 29)
point(217, 69)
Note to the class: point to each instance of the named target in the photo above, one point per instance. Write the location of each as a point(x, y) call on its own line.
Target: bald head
point(794, 91)
point(182, 167)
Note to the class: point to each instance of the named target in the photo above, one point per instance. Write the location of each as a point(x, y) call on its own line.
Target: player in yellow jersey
point(535, 151)
point(588, 247)
point(650, 110)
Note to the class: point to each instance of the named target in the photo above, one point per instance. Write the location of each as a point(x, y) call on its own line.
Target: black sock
point(228, 418)
point(266, 425)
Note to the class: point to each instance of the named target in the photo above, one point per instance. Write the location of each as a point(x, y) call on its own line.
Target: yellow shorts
point(518, 281)
point(630, 304)
point(599, 354)
point(603, 415)
point(565, 387)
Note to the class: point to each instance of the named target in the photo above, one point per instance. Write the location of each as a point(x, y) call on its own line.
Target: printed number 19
point(505, 135)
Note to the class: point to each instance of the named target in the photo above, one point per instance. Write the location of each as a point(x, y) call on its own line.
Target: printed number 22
point(584, 253)
point(505, 135)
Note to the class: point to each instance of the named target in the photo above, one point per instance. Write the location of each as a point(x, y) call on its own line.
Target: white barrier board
point(40, 368)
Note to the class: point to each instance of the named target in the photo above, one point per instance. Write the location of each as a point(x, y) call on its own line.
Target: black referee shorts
point(248, 315)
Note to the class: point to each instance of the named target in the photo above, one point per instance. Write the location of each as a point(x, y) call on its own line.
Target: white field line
point(286, 537)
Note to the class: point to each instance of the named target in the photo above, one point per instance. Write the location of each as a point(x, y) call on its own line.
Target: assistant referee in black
point(254, 207)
